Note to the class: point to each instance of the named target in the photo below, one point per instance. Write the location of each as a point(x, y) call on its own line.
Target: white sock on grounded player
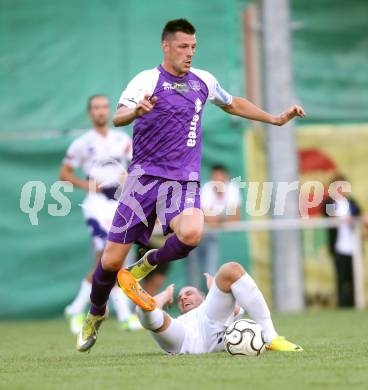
point(171, 339)
point(120, 303)
point(81, 300)
point(250, 298)
point(151, 320)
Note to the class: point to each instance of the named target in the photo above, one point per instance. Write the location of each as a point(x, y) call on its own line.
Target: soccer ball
point(244, 337)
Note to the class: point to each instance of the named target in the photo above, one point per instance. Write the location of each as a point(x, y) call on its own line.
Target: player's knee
point(191, 235)
point(228, 274)
point(113, 256)
point(165, 325)
point(141, 314)
point(110, 263)
point(156, 321)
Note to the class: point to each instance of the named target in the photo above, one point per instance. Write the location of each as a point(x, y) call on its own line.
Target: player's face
point(179, 49)
point(99, 111)
point(220, 175)
point(189, 298)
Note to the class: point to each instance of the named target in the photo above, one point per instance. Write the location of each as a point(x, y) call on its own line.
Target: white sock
point(120, 303)
point(172, 338)
point(81, 300)
point(151, 320)
point(250, 298)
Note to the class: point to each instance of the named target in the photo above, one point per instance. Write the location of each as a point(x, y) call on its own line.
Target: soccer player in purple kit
point(166, 105)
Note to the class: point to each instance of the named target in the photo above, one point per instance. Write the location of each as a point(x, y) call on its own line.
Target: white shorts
point(201, 330)
point(98, 212)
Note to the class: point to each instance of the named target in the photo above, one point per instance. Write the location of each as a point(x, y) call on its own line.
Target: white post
point(358, 267)
point(287, 263)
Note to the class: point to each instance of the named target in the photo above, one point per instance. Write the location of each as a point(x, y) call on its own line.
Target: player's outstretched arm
point(244, 108)
point(165, 297)
point(125, 115)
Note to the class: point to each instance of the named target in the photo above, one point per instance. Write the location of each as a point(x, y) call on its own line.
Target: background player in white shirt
point(200, 327)
point(342, 240)
point(103, 155)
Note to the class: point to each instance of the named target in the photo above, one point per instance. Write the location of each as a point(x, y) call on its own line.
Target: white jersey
point(200, 330)
point(218, 198)
point(201, 334)
point(205, 325)
point(147, 82)
point(345, 241)
point(101, 158)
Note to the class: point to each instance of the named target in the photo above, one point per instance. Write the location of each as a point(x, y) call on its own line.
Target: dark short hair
point(90, 99)
point(177, 25)
point(219, 167)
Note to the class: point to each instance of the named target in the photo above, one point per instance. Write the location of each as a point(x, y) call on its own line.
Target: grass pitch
point(41, 355)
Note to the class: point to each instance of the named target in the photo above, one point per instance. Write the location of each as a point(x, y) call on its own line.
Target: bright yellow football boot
point(142, 267)
point(280, 343)
point(88, 335)
point(128, 283)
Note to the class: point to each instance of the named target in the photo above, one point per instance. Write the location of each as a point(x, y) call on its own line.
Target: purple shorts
point(146, 198)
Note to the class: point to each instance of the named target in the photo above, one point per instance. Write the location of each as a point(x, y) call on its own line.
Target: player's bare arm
point(165, 297)
point(67, 174)
point(124, 115)
point(244, 108)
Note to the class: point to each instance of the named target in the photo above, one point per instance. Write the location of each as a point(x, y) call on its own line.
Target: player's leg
point(193, 265)
point(232, 279)
point(154, 282)
point(344, 276)
point(169, 333)
point(89, 277)
point(212, 253)
point(349, 281)
point(104, 279)
point(81, 300)
point(339, 266)
point(133, 221)
point(97, 210)
point(188, 228)
point(209, 254)
point(75, 311)
point(127, 319)
point(185, 219)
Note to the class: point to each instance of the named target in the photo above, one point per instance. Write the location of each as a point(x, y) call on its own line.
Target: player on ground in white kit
point(200, 327)
point(103, 155)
